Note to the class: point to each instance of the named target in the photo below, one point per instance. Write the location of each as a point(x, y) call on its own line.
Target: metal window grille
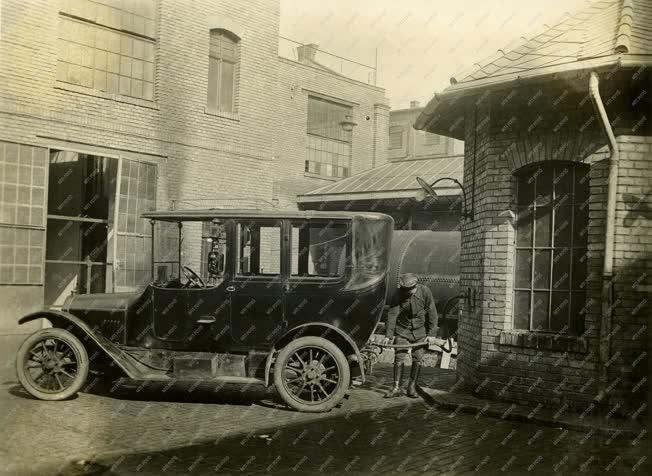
point(551, 248)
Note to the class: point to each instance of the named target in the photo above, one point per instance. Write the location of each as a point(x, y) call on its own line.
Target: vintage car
point(236, 296)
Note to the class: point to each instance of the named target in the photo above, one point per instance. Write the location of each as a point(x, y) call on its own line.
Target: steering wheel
point(192, 277)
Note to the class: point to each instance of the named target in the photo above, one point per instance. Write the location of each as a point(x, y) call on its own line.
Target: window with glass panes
point(134, 234)
point(108, 46)
point(395, 137)
point(431, 139)
point(222, 69)
point(22, 213)
point(329, 145)
point(551, 251)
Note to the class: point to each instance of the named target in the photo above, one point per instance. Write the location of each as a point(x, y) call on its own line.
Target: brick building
point(557, 275)
point(110, 108)
point(408, 143)
point(312, 148)
point(392, 188)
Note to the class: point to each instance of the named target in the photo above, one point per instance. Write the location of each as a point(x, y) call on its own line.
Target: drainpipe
point(607, 267)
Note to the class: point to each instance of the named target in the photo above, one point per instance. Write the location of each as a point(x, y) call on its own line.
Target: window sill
point(233, 116)
point(543, 341)
point(323, 177)
point(104, 95)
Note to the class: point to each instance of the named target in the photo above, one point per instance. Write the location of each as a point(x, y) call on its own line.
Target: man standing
point(413, 319)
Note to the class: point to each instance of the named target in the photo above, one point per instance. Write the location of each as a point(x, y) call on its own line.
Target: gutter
point(607, 297)
point(505, 81)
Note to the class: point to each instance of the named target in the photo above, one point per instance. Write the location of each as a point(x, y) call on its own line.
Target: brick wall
point(202, 158)
point(369, 144)
point(414, 144)
point(547, 368)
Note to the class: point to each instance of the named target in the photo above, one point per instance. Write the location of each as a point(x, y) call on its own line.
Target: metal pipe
point(180, 225)
point(607, 266)
point(152, 222)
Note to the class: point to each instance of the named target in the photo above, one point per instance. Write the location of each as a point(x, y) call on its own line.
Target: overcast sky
point(421, 43)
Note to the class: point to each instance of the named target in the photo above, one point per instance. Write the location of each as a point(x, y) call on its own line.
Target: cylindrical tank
point(433, 256)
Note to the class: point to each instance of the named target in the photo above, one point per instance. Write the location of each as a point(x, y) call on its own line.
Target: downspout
point(607, 266)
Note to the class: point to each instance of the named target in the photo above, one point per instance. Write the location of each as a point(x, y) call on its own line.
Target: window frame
point(112, 84)
point(216, 107)
point(401, 132)
point(237, 248)
point(316, 279)
point(574, 323)
point(429, 139)
point(319, 167)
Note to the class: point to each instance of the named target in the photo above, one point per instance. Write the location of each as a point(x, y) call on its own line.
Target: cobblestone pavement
point(135, 429)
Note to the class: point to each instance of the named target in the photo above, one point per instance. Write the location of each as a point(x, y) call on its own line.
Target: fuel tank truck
point(434, 257)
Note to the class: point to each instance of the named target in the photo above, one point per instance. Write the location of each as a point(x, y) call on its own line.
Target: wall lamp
point(348, 123)
point(430, 191)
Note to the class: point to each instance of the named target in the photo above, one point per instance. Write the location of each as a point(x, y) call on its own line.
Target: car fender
point(65, 320)
point(344, 335)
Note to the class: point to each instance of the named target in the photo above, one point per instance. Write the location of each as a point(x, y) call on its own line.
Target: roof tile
point(604, 28)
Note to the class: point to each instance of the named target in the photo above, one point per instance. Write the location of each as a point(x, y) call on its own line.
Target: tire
point(324, 365)
point(61, 359)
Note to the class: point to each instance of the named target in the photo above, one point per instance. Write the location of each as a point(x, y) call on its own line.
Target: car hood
point(99, 302)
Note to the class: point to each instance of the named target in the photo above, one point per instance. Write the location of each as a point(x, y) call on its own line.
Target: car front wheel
point(52, 364)
point(311, 374)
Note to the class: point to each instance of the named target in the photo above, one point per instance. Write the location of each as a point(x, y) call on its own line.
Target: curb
point(513, 413)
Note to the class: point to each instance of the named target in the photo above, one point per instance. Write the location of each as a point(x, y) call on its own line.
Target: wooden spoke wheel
point(52, 364)
point(311, 374)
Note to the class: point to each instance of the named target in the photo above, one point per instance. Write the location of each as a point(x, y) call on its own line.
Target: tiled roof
point(392, 180)
point(604, 28)
point(607, 32)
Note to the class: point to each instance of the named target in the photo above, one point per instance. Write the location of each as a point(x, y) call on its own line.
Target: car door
point(197, 318)
point(208, 309)
point(257, 287)
point(318, 271)
point(169, 314)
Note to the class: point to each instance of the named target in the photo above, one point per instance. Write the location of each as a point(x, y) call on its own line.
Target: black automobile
point(283, 297)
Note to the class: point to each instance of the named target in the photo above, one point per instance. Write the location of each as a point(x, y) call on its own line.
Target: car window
point(259, 249)
point(166, 251)
point(319, 249)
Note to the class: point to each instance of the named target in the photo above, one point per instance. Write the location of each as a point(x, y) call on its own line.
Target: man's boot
point(398, 381)
point(414, 380)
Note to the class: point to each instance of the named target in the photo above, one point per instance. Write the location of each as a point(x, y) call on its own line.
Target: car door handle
point(230, 289)
point(206, 320)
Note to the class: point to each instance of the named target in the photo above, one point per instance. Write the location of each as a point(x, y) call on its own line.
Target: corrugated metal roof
point(395, 179)
point(606, 32)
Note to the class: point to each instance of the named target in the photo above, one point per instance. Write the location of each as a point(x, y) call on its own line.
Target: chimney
point(414, 104)
point(307, 52)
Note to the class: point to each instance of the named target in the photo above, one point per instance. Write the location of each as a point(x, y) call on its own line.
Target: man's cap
point(407, 281)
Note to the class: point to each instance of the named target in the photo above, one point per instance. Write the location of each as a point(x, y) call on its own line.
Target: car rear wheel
point(311, 374)
point(52, 364)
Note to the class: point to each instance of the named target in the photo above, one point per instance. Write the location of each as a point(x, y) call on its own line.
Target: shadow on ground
point(399, 436)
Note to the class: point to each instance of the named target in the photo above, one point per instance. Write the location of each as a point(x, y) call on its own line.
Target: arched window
point(223, 59)
point(551, 235)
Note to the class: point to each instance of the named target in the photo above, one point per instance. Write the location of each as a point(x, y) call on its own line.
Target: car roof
point(211, 213)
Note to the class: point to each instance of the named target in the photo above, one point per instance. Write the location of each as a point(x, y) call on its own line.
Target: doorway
point(81, 204)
